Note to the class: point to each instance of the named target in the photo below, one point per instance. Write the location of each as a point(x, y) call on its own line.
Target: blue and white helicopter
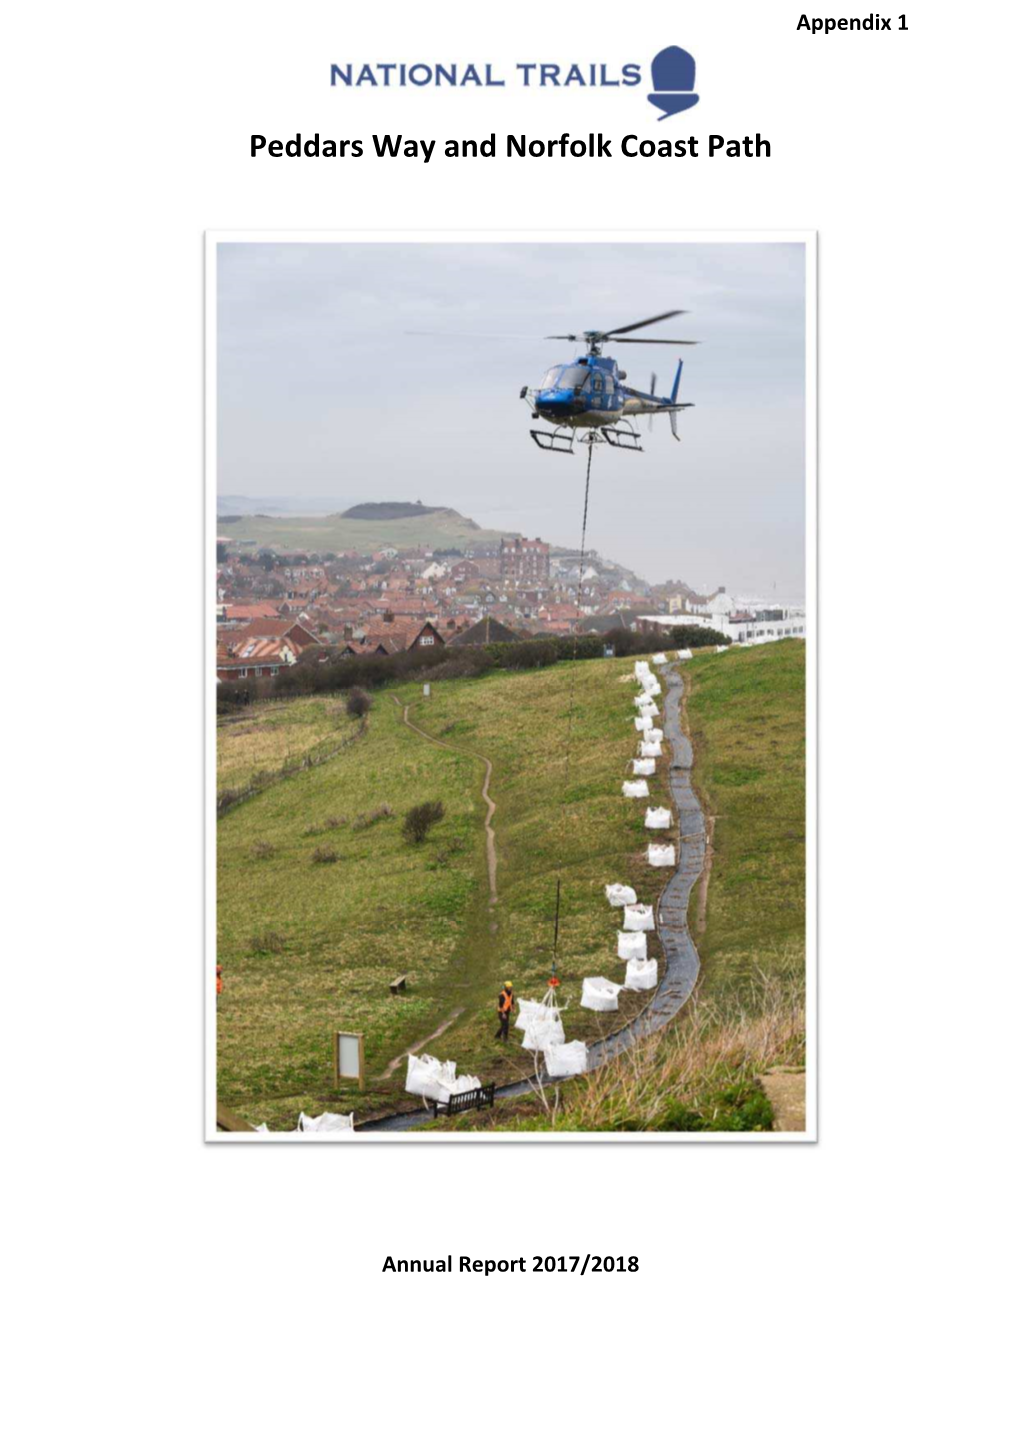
point(588, 393)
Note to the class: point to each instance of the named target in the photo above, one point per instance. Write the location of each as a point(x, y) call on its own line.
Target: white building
point(737, 621)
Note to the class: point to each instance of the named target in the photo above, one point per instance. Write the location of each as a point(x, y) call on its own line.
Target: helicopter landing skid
point(562, 440)
point(623, 440)
point(562, 443)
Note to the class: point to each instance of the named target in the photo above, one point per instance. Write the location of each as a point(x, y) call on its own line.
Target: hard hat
point(508, 983)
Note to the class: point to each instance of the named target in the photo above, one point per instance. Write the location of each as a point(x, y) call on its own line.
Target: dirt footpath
point(785, 1088)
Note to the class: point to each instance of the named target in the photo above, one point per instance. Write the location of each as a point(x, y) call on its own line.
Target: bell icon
point(673, 78)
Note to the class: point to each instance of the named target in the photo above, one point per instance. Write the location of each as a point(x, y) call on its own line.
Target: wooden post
point(556, 927)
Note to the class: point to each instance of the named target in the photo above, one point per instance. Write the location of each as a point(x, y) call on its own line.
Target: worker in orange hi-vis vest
point(219, 979)
point(504, 1008)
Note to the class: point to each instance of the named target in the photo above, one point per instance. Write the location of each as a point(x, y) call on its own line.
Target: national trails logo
point(672, 77)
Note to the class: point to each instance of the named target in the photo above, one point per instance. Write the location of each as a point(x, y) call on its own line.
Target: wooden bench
point(399, 983)
point(466, 1101)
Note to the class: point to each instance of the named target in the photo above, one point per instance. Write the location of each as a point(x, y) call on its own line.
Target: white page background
point(161, 1287)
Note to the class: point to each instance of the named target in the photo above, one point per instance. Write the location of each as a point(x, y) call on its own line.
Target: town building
point(522, 561)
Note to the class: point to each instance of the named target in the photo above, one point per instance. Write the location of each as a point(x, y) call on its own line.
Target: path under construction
point(680, 971)
point(490, 835)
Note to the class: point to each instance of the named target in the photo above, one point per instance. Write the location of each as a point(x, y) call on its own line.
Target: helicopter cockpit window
point(551, 378)
point(573, 376)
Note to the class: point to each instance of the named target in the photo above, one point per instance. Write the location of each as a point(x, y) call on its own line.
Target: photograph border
point(809, 239)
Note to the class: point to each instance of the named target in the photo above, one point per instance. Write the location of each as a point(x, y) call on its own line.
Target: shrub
point(420, 820)
point(334, 822)
point(272, 941)
point(530, 654)
point(366, 819)
point(263, 850)
point(324, 856)
point(462, 661)
point(358, 702)
point(690, 637)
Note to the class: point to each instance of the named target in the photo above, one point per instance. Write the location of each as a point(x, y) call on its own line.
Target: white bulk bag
point(638, 918)
point(642, 723)
point(617, 895)
point(651, 748)
point(525, 1011)
point(598, 993)
point(423, 1078)
point(328, 1122)
point(434, 1080)
point(643, 768)
point(635, 788)
point(657, 818)
point(719, 649)
point(642, 975)
point(662, 856)
point(631, 945)
point(685, 655)
point(543, 1031)
point(568, 1060)
point(641, 701)
point(650, 709)
point(660, 658)
point(653, 733)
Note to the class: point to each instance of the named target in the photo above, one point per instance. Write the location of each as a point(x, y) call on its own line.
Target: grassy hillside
point(274, 734)
point(746, 714)
point(309, 947)
point(438, 530)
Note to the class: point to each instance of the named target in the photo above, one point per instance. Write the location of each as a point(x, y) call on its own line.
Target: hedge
point(443, 662)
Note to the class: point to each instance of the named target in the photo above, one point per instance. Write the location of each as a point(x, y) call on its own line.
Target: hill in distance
point(404, 525)
point(390, 511)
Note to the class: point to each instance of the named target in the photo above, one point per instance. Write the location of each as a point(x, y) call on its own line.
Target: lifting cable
point(573, 684)
point(577, 607)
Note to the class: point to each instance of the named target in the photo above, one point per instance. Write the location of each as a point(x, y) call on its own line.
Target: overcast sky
point(323, 393)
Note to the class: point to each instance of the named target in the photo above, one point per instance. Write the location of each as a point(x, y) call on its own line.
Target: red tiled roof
point(258, 610)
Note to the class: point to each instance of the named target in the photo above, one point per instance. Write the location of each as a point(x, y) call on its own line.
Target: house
point(258, 611)
point(261, 648)
point(254, 658)
point(394, 636)
point(484, 632)
point(360, 648)
point(280, 629)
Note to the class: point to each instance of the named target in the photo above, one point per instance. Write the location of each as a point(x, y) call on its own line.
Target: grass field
point(746, 717)
point(309, 947)
point(745, 711)
point(443, 529)
point(274, 734)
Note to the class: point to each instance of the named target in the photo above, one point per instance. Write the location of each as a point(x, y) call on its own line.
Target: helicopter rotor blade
point(474, 334)
point(651, 414)
point(644, 340)
point(640, 324)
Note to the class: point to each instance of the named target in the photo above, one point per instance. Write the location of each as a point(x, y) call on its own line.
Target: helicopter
point(588, 393)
